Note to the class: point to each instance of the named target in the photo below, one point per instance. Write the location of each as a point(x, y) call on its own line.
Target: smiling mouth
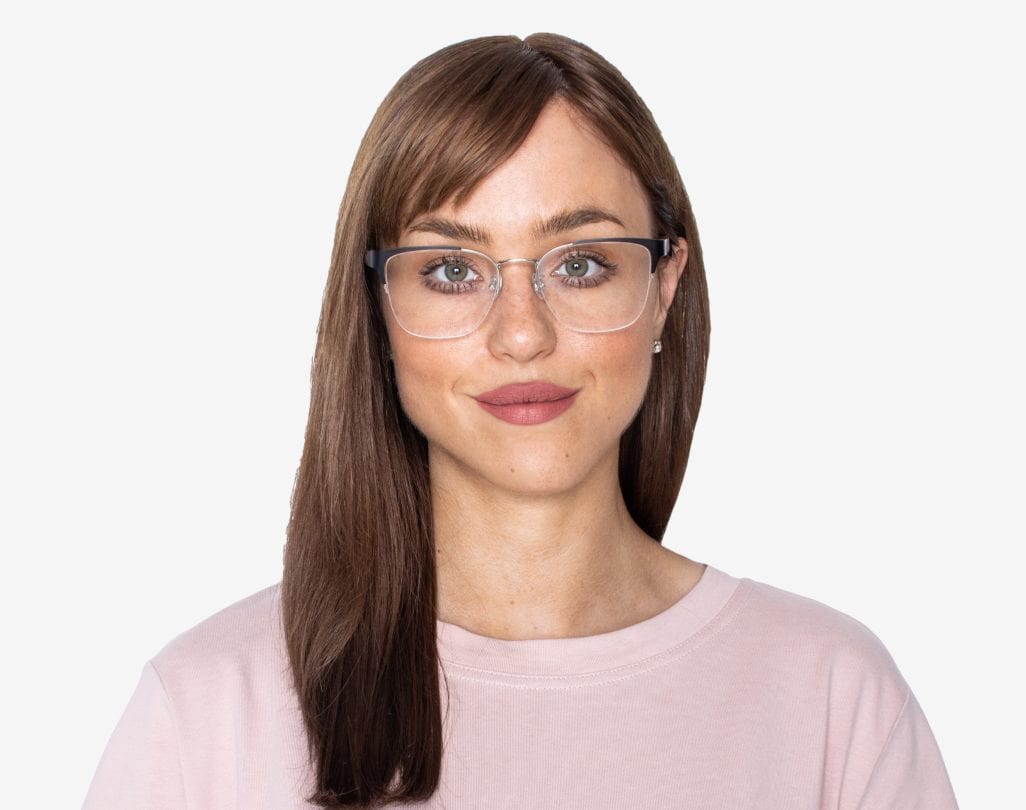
point(527, 403)
point(525, 393)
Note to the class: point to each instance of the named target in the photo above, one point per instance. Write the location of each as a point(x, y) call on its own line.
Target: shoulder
point(822, 648)
point(236, 644)
point(810, 625)
point(826, 689)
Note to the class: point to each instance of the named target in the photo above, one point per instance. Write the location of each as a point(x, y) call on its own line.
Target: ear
point(669, 274)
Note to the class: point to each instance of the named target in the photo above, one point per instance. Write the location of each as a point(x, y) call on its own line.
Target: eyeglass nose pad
point(536, 281)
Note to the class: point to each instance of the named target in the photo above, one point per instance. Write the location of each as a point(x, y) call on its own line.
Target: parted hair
point(359, 582)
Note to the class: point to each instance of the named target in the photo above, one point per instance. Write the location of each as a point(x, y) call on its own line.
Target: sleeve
point(141, 765)
point(909, 774)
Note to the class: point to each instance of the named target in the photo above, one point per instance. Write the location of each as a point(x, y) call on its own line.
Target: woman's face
point(560, 169)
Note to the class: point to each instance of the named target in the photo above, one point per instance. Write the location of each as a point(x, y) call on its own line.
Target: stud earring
point(657, 346)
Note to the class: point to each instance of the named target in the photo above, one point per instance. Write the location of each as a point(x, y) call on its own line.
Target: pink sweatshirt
point(740, 695)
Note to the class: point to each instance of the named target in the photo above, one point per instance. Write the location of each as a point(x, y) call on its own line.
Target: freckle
point(567, 455)
point(511, 469)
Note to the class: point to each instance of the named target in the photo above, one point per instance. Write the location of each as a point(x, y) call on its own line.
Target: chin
point(541, 467)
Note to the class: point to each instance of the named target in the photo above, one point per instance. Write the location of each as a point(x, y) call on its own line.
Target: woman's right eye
point(451, 271)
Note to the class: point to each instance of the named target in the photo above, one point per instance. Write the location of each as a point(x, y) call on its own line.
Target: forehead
point(562, 166)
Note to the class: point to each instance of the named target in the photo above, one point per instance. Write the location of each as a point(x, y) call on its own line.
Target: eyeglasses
point(592, 285)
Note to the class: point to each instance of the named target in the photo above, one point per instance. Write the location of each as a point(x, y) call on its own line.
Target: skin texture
point(532, 535)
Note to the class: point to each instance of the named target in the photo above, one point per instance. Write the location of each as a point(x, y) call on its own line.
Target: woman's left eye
point(578, 267)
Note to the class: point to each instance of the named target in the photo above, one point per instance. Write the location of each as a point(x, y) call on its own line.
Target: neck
point(517, 565)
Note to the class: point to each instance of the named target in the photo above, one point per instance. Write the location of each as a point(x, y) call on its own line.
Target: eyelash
point(591, 281)
point(451, 287)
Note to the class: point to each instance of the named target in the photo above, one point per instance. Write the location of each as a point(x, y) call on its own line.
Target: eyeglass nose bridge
point(536, 280)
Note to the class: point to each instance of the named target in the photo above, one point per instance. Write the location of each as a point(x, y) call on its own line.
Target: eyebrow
point(561, 222)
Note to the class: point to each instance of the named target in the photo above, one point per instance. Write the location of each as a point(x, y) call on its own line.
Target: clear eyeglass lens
point(592, 287)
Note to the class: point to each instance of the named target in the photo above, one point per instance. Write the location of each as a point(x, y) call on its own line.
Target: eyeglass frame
point(658, 249)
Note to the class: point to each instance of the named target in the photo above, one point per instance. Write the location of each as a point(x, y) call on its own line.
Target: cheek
point(615, 368)
point(414, 381)
point(413, 367)
point(425, 375)
point(624, 373)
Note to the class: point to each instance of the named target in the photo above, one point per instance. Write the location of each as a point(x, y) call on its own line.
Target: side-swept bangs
point(449, 122)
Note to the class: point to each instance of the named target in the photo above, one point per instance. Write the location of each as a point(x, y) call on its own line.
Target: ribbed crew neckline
point(596, 654)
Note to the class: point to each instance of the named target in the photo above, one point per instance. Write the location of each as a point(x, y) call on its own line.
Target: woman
point(476, 610)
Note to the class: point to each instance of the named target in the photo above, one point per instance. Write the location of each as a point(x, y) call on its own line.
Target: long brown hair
point(359, 588)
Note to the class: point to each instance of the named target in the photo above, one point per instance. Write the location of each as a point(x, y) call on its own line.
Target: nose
point(520, 325)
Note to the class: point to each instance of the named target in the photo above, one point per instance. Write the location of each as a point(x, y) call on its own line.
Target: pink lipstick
point(527, 403)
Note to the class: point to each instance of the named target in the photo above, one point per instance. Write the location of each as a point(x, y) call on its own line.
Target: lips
point(519, 393)
point(527, 403)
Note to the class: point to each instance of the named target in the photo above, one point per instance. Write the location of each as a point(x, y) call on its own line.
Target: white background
point(170, 179)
